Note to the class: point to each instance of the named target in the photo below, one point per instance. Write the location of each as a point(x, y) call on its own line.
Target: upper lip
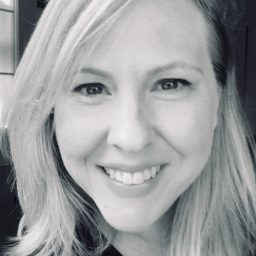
point(131, 168)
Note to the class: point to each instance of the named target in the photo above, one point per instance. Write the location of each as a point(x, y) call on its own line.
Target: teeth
point(147, 174)
point(136, 178)
point(127, 178)
point(153, 172)
point(112, 173)
point(118, 176)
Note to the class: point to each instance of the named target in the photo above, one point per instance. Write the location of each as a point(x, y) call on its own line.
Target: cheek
point(188, 127)
point(78, 133)
point(189, 130)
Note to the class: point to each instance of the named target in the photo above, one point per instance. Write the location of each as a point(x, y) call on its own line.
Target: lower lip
point(133, 190)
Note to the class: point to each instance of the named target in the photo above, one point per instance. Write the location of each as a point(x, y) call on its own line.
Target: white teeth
point(153, 172)
point(147, 174)
point(112, 173)
point(118, 176)
point(128, 178)
point(138, 178)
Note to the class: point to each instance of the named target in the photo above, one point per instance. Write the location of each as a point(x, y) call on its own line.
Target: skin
point(134, 122)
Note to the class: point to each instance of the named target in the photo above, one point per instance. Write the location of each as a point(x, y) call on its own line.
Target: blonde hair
point(215, 216)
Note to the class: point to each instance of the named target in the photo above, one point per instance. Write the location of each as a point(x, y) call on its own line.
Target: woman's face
point(136, 128)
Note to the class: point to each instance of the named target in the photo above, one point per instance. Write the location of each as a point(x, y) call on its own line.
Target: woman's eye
point(91, 89)
point(171, 84)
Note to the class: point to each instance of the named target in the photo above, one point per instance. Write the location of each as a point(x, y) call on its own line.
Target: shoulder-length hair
point(215, 216)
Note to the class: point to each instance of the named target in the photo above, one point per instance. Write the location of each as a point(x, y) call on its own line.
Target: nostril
point(130, 138)
point(133, 143)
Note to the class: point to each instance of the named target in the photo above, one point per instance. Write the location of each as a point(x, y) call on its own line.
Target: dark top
point(111, 251)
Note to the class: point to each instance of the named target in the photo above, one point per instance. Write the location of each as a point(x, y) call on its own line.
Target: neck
point(136, 244)
point(152, 241)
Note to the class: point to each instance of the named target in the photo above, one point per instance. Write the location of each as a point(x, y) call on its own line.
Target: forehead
point(150, 32)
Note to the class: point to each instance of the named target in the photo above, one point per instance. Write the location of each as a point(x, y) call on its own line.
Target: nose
point(130, 130)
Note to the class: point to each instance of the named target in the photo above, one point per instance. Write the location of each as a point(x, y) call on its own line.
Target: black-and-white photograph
point(128, 127)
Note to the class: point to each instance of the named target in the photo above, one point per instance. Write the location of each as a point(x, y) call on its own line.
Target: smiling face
point(135, 129)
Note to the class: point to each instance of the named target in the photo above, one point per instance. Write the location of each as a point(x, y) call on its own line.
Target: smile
point(132, 178)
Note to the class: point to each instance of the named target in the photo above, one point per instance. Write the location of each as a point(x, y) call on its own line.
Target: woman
point(125, 129)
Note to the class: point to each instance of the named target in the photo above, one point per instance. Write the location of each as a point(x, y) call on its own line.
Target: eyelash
point(90, 89)
point(172, 84)
point(165, 84)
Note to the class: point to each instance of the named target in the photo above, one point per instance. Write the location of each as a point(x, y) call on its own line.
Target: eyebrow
point(96, 71)
point(151, 72)
point(176, 65)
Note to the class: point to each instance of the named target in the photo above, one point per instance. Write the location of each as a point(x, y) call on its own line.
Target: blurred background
point(18, 18)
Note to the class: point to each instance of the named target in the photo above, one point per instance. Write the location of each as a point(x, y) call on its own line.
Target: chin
point(128, 221)
point(130, 227)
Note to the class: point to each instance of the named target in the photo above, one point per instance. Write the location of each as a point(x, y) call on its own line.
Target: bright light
point(9, 4)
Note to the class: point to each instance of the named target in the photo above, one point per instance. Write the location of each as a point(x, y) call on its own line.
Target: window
point(8, 45)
